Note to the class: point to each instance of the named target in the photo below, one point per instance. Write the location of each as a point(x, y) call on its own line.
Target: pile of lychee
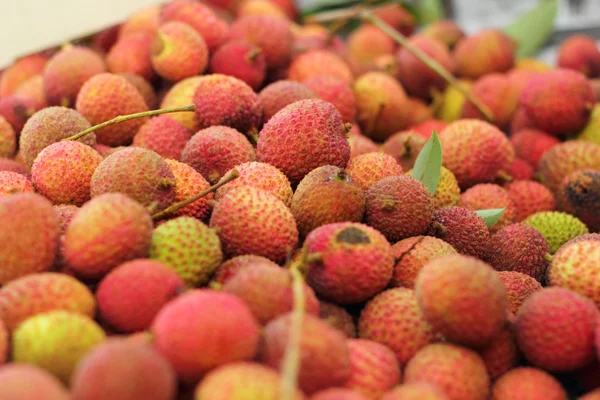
point(323, 218)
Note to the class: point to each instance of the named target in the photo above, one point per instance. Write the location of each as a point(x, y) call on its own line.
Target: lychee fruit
point(487, 196)
point(163, 135)
point(531, 144)
point(556, 227)
point(365, 44)
point(463, 229)
point(404, 146)
point(412, 254)
point(189, 247)
point(214, 151)
point(179, 95)
point(55, 341)
point(415, 391)
point(25, 381)
point(352, 262)
point(241, 60)
point(446, 31)
point(360, 144)
point(106, 96)
point(487, 51)
point(132, 54)
point(393, 318)
point(119, 369)
point(144, 87)
point(322, 348)
point(335, 91)
point(448, 285)
point(91, 248)
point(527, 382)
point(458, 372)
point(12, 183)
point(338, 317)
point(319, 62)
point(16, 110)
point(580, 53)
point(303, 136)
point(519, 287)
point(399, 207)
point(501, 354)
point(7, 164)
point(144, 20)
point(20, 72)
point(530, 197)
point(178, 51)
point(184, 332)
point(564, 341)
point(188, 183)
point(579, 194)
point(366, 169)
point(326, 195)
point(231, 267)
point(338, 394)
point(29, 235)
point(252, 221)
point(277, 95)
point(8, 139)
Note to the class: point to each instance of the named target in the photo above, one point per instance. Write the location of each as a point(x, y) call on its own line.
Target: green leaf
point(428, 164)
point(491, 216)
point(429, 10)
point(532, 29)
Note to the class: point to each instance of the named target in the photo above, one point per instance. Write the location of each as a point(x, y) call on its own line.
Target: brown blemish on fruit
point(353, 235)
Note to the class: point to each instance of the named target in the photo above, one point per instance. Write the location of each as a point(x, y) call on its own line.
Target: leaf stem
point(123, 118)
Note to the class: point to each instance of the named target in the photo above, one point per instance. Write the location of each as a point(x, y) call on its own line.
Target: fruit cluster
point(213, 201)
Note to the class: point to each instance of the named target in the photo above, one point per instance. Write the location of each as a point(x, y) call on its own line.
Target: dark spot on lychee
point(353, 235)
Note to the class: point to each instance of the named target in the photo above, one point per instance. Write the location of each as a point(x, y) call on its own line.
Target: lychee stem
point(504, 176)
point(123, 118)
point(231, 175)
point(402, 40)
point(548, 257)
point(291, 360)
point(439, 228)
point(252, 54)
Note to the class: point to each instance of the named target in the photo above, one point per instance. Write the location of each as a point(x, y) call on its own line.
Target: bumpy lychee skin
point(399, 207)
point(132, 54)
point(556, 227)
point(188, 183)
point(63, 172)
point(29, 235)
point(319, 62)
point(225, 100)
point(48, 126)
point(20, 380)
point(353, 262)
point(448, 285)
point(55, 341)
point(418, 79)
point(252, 221)
point(326, 195)
point(530, 197)
point(242, 379)
point(178, 51)
point(462, 229)
point(579, 195)
point(335, 91)
point(270, 34)
point(267, 291)
point(19, 72)
point(8, 139)
point(106, 96)
point(184, 332)
point(303, 136)
point(458, 372)
point(189, 247)
point(7, 164)
point(558, 102)
point(91, 248)
point(214, 151)
point(369, 168)
point(360, 144)
point(487, 51)
point(213, 29)
point(566, 340)
point(393, 318)
point(519, 287)
point(322, 348)
point(381, 103)
point(531, 144)
point(374, 368)
point(566, 158)
point(179, 95)
point(580, 53)
point(280, 94)
point(527, 382)
point(447, 193)
point(144, 87)
point(412, 254)
point(67, 71)
point(501, 354)
point(231, 267)
point(520, 170)
point(241, 60)
point(404, 146)
point(132, 308)
point(519, 248)
point(119, 369)
point(261, 176)
point(12, 183)
point(163, 135)
point(139, 173)
point(574, 267)
point(337, 317)
point(475, 151)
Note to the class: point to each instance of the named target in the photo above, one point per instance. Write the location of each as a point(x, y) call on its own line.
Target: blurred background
point(39, 24)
